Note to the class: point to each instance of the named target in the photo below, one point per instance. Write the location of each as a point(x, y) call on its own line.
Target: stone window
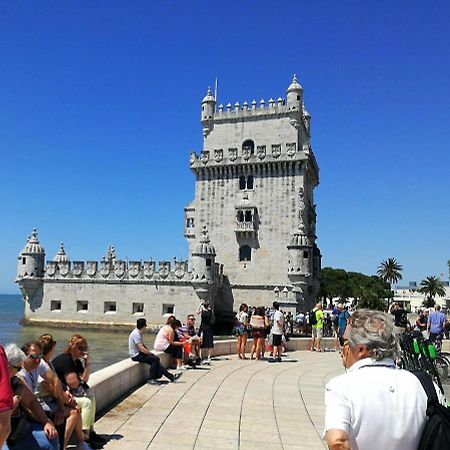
point(24, 260)
point(138, 308)
point(110, 307)
point(208, 263)
point(248, 216)
point(246, 182)
point(245, 253)
point(305, 254)
point(82, 306)
point(190, 222)
point(168, 309)
point(55, 305)
point(240, 216)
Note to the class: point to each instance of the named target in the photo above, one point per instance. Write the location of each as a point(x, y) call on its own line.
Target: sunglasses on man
point(35, 355)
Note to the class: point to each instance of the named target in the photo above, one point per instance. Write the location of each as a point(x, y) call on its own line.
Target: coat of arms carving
point(119, 268)
point(291, 149)
point(276, 150)
point(261, 151)
point(149, 268)
point(164, 269)
point(218, 155)
point(232, 154)
point(134, 268)
point(180, 269)
point(105, 268)
point(51, 268)
point(78, 267)
point(91, 268)
point(204, 157)
point(64, 268)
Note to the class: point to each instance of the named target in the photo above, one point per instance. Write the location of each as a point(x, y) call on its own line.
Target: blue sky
point(100, 108)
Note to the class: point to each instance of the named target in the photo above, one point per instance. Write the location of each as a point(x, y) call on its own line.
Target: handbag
point(20, 427)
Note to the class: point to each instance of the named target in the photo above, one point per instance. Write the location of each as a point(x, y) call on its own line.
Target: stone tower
point(255, 179)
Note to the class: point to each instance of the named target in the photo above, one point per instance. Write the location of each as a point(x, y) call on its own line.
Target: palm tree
point(431, 287)
point(390, 272)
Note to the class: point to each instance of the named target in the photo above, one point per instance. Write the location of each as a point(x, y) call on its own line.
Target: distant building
point(411, 298)
point(251, 231)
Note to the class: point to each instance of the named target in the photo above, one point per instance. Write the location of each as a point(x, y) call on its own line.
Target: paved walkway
point(234, 405)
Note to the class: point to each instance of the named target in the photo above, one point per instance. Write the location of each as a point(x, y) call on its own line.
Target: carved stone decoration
point(204, 157)
point(149, 268)
point(261, 151)
point(164, 269)
point(51, 268)
point(246, 152)
point(78, 267)
point(193, 158)
point(120, 268)
point(276, 150)
point(295, 123)
point(301, 208)
point(232, 154)
point(134, 267)
point(91, 268)
point(218, 155)
point(180, 268)
point(105, 268)
point(291, 149)
point(64, 268)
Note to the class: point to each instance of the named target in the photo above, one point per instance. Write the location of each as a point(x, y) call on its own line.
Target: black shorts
point(276, 340)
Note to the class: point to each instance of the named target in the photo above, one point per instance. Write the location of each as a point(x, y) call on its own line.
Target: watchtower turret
point(208, 110)
point(203, 260)
point(294, 96)
point(30, 270)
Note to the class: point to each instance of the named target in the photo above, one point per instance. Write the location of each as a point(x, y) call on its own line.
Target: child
point(75, 386)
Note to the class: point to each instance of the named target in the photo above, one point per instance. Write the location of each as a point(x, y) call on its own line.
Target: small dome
point(61, 255)
point(204, 247)
point(295, 86)
point(306, 113)
point(299, 238)
point(209, 97)
point(33, 246)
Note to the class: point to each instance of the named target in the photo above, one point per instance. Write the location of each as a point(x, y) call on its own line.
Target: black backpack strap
point(428, 387)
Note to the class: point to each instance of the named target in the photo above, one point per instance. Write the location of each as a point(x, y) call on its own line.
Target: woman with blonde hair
point(77, 359)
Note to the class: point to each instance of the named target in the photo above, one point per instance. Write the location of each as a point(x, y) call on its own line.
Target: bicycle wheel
point(442, 368)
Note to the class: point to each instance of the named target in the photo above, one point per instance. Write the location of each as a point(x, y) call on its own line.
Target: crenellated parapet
point(118, 270)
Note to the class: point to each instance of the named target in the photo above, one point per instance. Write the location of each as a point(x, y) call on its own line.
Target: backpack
point(313, 317)
point(436, 434)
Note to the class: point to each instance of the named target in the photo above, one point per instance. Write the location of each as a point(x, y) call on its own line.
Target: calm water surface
point(105, 347)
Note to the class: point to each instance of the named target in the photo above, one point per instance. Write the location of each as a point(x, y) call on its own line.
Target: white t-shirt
point(242, 317)
point(133, 341)
point(379, 406)
point(32, 378)
point(161, 340)
point(278, 323)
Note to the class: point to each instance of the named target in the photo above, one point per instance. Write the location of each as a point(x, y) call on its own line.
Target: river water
point(105, 347)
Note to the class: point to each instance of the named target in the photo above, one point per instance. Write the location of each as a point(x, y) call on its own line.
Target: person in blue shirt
point(343, 320)
point(435, 325)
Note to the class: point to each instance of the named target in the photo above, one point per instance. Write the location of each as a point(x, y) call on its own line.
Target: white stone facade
point(255, 178)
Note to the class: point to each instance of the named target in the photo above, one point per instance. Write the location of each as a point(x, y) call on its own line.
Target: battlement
point(118, 270)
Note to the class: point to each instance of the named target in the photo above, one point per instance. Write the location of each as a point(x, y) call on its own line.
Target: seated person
point(166, 341)
point(75, 386)
point(77, 359)
point(140, 353)
point(31, 429)
point(189, 335)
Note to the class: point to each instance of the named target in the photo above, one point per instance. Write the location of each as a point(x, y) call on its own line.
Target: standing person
point(77, 359)
point(435, 326)
point(140, 353)
point(374, 404)
point(343, 320)
point(317, 327)
point(400, 316)
point(241, 330)
point(277, 331)
point(6, 398)
point(422, 321)
point(206, 331)
point(259, 323)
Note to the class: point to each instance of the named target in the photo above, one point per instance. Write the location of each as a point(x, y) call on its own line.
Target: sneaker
point(278, 359)
point(183, 367)
point(176, 377)
point(154, 382)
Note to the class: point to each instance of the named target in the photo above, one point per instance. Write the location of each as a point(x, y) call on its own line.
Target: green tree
point(431, 286)
point(448, 265)
point(390, 271)
point(368, 298)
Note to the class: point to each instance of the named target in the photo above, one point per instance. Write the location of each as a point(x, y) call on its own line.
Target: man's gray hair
point(375, 330)
point(14, 355)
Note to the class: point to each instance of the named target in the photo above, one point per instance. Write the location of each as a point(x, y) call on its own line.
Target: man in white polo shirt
point(374, 405)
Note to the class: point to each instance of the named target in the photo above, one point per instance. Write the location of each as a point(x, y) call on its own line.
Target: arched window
point(246, 182)
point(248, 145)
point(245, 253)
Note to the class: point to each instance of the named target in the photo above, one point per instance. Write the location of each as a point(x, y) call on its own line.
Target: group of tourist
point(264, 323)
point(45, 402)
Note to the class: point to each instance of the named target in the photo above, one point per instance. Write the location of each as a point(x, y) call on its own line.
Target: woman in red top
point(6, 398)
